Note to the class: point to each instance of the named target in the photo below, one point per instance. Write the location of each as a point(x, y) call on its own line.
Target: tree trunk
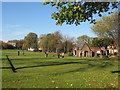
point(100, 51)
point(56, 50)
point(113, 50)
point(106, 53)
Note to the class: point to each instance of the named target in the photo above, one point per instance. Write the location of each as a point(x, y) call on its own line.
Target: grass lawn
point(36, 71)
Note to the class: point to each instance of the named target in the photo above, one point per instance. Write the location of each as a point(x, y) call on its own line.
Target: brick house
point(83, 50)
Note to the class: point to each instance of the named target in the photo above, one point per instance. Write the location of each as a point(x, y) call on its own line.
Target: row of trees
point(18, 44)
point(106, 29)
point(52, 42)
point(56, 42)
point(6, 45)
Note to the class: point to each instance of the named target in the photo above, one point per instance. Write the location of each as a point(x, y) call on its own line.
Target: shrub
point(96, 56)
point(70, 54)
point(7, 46)
point(112, 56)
point(104, 56)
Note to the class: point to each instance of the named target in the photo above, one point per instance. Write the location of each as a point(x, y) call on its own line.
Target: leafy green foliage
point(19, 44)
point(84, 38)
point(70, 54)
point(77, 12)
point(107, 27)
point(68, 44)
point(102, 42)
point(1, 44)
point(31, 41)
point(7, 46)
point(51, 41)
point(55, 42)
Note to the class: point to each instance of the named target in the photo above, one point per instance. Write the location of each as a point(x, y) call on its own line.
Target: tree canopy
point(77, 12)
point(102, 42)
point(68, 44)
point(31, 40)
point(107, 27)
point(56, 42)
point(84, 38)
point(51, 41)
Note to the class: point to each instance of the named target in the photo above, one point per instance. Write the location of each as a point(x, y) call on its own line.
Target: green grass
point(36, 71)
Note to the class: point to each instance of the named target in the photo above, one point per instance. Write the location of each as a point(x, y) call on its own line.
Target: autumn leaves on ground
point(34, 70)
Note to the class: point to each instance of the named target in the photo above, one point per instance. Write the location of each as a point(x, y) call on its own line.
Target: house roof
point(11, 41)
point(97, 48)
point(80, 45)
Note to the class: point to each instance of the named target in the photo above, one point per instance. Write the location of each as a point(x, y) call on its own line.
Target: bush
point(110, 54)
point(96, 56)
point(104, 56)
point(7, 46)
point(36, 50)
point(70, 54)
point(10, 47)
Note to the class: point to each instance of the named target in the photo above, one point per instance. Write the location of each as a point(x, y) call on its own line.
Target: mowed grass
point(34, 70)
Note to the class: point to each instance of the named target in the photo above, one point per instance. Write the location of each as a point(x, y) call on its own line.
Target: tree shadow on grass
point(48, 64)
point(63, 63)
point(81, 69)
point(48, 58)
point(51, 64)
point(5, 67)
point(90, 65)
point(93, 59)
point(25, 58)
point(105, 64)
point(28, 58)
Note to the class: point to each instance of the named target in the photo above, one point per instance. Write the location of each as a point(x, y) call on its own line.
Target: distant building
point(113, 50)
point(12, 43)
point(41, 49)
point(84, 50)
point(31, 49)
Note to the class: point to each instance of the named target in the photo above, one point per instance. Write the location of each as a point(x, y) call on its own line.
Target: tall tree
point(77, 12)
point(31, 40)
point(107, 27)
point(42, 41)
point(84, 38)
point(19, 44)
point(102, 42)
point(68, 44)
point(7, 46)
point(1, 44)
point(51, 41)
point(58, 40)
